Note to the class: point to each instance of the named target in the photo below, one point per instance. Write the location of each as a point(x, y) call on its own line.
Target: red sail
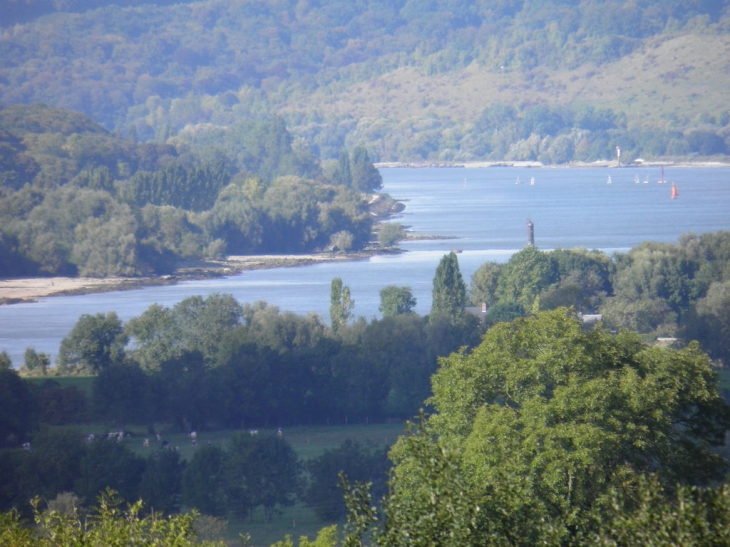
point(675, 193)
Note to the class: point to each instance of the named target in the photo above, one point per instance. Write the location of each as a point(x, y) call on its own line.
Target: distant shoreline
point(604, 164)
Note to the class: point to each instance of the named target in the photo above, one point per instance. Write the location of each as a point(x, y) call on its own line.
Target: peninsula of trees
point(77, 199)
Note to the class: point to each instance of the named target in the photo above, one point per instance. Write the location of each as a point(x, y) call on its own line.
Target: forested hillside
point(548, 80)
point(77, 199)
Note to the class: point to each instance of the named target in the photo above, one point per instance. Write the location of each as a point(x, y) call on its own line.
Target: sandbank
point(33, 289)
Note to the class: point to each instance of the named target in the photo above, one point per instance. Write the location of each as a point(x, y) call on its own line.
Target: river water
point(483, 211)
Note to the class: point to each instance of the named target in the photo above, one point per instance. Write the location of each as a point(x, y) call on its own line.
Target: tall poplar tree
point(341, 304)
point(365, 176)
point(449, 289)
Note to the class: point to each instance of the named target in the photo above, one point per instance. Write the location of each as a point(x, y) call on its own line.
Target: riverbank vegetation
point(672, 292)
point(206, 367)
point(78, 200)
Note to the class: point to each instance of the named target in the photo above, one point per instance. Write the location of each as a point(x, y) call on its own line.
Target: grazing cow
point(146, 443)
point(26, 446)
point(253, 432)
point(279, 432)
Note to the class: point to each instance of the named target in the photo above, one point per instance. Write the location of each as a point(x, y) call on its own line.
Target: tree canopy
point(449, 289)
point(543, 421)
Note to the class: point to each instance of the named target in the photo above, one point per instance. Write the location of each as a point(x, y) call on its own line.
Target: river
point(483, 211)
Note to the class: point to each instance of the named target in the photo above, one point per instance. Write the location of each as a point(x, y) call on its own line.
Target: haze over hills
point(547, 80)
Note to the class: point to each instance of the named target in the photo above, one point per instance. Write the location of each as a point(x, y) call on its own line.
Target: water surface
point(483, 210)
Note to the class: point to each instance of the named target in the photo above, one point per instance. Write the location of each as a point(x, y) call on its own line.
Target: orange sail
point(675, 193)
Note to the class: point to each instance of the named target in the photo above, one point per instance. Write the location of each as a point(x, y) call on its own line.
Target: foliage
point(121, 395)
point(161, 481)
point(390, 233)
point(365, 177)
point(17, 408)
point(527, 273)
point(543, 419)
point(60, 405)
point(193, 189)
point(98, 205)
point(95, 342)
point(362, 464)
point(109, 524)
point(326, 537)
point(712, 324)
point(193, 324)
point(259, 471)
point(483, 287)
point(108, 464)
point(203, 481)
point(449, 290)
point(654, 517)
point(341, 305)
point(142, 70)
point(35, 363)
point(396, 300)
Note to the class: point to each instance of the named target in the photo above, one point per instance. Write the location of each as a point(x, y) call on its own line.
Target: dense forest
point(209, 364)
point(77, 199)
point(547, 80)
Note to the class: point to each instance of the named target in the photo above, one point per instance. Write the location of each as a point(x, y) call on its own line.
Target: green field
point(84, 383)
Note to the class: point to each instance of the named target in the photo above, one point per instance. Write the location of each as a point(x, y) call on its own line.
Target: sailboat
point(609, 180)
point(532, 181)
point(675, 192)
point(636, 179)
point(518, 181)
point(662, 180)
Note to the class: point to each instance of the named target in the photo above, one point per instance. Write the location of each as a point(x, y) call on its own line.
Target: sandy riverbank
point(32, 289)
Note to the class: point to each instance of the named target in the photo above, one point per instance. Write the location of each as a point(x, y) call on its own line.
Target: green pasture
point(308, 441)
point(84, 383)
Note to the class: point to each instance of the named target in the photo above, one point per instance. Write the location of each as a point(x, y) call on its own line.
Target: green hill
point(549, 80)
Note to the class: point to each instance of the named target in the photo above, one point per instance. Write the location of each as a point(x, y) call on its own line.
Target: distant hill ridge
point(550, 81)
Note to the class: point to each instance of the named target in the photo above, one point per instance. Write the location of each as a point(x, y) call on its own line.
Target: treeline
point(152, 70)
point(659, 290)
point(213, 363)
point(225, 480)
point(546, 432)
point(563, 134)
point(75, 199)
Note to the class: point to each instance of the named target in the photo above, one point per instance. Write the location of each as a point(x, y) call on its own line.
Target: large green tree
point(363, 464)
point(449, 290)
point(396, 300)
point(96, 342)
point(365, 177)
point(526, 274)
point(260, 471)
point(534, 430)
